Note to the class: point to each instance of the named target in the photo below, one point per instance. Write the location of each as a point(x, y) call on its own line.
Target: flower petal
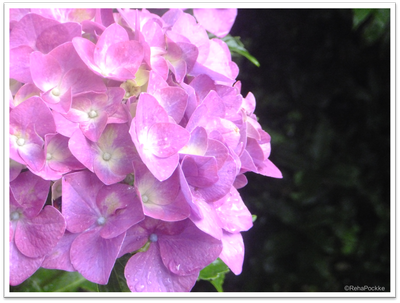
point(145, 272)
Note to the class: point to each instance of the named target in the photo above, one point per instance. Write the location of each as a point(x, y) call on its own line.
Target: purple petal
point(55, 35)
point(145, 272)
point(197, 144)
point(173, 100)
point(233, 213)
point(200, 171)
point(45, 70)
point(111, 35)
point(83, 149)
point(161, 200)
point(94, 257)
point(233, 251)
point(25, 92)
point(59, 257)
point(20, 63)
point(36, 237)
point(79, 191)
point(209, 221)
point(121, 207)
point(135, 238)
point(217, 21)
point(85, 50)
point(122, 60)
point(220, 188)
point(190, 251)
point(166, 139)
point(30, 191)
point(21, 267)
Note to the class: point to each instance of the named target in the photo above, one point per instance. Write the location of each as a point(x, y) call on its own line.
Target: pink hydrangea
point(132, 126)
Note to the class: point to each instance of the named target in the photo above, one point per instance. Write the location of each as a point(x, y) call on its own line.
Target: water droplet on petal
point(139, 287)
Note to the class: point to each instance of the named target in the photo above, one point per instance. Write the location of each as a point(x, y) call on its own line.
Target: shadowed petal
point(94, 257)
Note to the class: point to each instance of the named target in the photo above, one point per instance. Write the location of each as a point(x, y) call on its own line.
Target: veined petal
point(93, 256)
point(37, 236)
point(85, 50)
point(145, 267)
point(45, 70)
point(166, 139)
point(112, 34)
point(233, 251)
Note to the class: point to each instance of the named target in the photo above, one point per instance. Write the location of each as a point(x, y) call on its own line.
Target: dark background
point(323, 94)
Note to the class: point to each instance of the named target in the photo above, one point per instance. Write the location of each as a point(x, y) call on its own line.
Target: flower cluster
point(128, 135)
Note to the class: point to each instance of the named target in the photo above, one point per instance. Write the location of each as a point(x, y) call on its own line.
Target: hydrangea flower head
point(129, 137)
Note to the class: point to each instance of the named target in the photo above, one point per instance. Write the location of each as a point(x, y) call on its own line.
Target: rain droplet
point(139, 287)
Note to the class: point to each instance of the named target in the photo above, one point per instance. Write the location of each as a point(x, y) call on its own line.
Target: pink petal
point(45, 70)
point(220, 188)
point(162, 200)
point(145, 272)
point(30, 191)
point(121, 207)
point(83, 149)
point(123, 60)
point(166, 139)
point(111, 35)
point(208, 221)
point(21, 267)
point(189, 251)
point(173, 100)
point(79, 191)
point(85, 50)
point(200, 171)
point(233, 213)
point(59, 257)
point(53, 36)
point(36, 237)
point(217, 21)
point(233, 251)
point(94, 257)
point(20, 64)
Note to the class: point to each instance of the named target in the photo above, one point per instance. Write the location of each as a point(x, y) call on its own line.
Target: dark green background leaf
point(51, 280)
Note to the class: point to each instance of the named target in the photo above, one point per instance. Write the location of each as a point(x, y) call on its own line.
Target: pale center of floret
point(55, 91)
point(21, 141)
point(153, 238)
point(14, 216)
point(145, 198)
point(106, 156)
point(48, 156)
point(101, 220)
point(92, 114)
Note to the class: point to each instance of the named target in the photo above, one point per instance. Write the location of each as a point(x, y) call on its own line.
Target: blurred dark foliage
point(323, 94)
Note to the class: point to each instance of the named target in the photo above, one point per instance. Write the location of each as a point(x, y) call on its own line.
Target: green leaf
point(254, 218)
point(117, 281)
point(215, 273)
point(359, 15)
point(52, 280)
point(236, 46)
